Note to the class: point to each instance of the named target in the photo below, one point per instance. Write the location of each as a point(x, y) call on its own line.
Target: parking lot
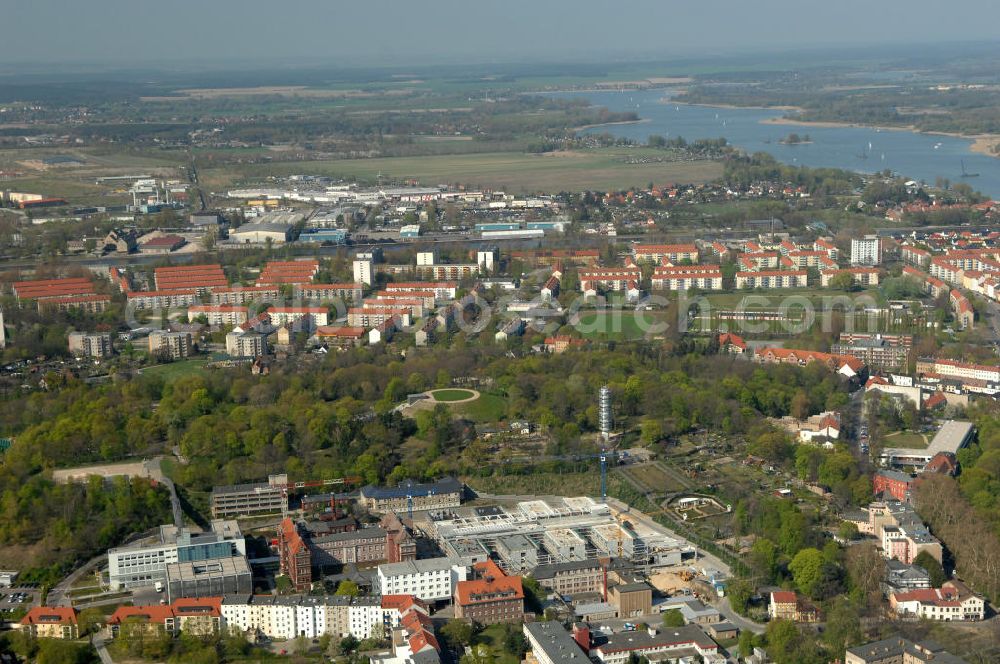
point(18, 598)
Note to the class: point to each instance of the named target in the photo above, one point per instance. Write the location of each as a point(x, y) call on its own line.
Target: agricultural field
point(76, 180)
point(601, 169)
point(656, 477)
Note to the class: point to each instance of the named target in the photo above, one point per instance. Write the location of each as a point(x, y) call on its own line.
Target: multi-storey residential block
point(704, 277)
point(326, 292)
point(431, 580)
point(165, 299)
point(175, 345)
point(866, 250)
point(672, 253)
point(612, 279)
point(242, 295)
point(218, 314)
point(246, 344)
point(84, 344)
point(772, 279)
point(864, 276)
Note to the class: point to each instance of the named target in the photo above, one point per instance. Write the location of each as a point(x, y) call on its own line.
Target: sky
point(359, 32)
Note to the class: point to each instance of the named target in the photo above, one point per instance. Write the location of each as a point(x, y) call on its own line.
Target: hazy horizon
point(391, 33)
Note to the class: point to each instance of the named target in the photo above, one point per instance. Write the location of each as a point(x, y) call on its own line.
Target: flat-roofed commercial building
point(550, 643)
point(951, 437)
point(249, 499)
point(209, 578)
point(144, 565)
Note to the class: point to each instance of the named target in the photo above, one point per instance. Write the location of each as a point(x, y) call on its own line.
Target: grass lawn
point(493, 637)
point(602, 169)
point(487, 408)
point(773, 298)
point(452, 395)
point(622, 324)
point(906, 439)
point(175, 370)
point(559, 484)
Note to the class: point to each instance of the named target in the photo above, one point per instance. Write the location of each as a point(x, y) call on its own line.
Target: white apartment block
point(443, 290)
point(488, 259)
point(865, 276)
point(772, 279)
point(426, 258)
point(610, 279)
point(83, 344)
point(705, 277)
point(218, 314)
point(363, 272)
point(673, 253)
point(162, 299)
point(309, 318)
point(173, 344)
point(866, 251)
point(372, 317)
point(431, 580)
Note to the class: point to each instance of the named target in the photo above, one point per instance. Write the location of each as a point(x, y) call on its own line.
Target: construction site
point(549, 531)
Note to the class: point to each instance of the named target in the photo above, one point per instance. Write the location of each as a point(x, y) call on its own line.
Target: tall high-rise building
point(363, 272)
point(866, 251)
point(604, 412)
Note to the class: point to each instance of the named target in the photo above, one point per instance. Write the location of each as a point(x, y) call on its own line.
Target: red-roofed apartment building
point(50, 622)
point(491, 598)
point(952, 601)
point(200, 616)
point(296, 559)
point(732, 343)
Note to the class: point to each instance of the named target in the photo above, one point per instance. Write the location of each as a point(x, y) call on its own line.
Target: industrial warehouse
point(551, 531)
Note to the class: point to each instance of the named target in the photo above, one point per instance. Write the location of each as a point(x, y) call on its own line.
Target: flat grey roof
point(556, 642)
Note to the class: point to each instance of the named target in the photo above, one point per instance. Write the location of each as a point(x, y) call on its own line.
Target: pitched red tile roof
point(47, 615)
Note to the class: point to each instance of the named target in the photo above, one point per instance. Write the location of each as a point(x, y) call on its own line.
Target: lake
point(924, 157)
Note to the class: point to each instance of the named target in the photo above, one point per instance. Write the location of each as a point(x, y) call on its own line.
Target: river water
point(923, 157)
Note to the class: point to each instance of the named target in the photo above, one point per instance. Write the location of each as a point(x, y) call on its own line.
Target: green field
point(452, 395)
point(176, 370)
point(624, 324)
point(603, 169)
point(487, 408)
point(906, 439)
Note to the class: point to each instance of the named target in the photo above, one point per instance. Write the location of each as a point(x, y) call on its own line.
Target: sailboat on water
point(967, 174)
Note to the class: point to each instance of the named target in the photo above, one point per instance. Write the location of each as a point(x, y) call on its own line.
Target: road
point(58, 595)
point(156, 472)
point(100, 645)
point(745, 624)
